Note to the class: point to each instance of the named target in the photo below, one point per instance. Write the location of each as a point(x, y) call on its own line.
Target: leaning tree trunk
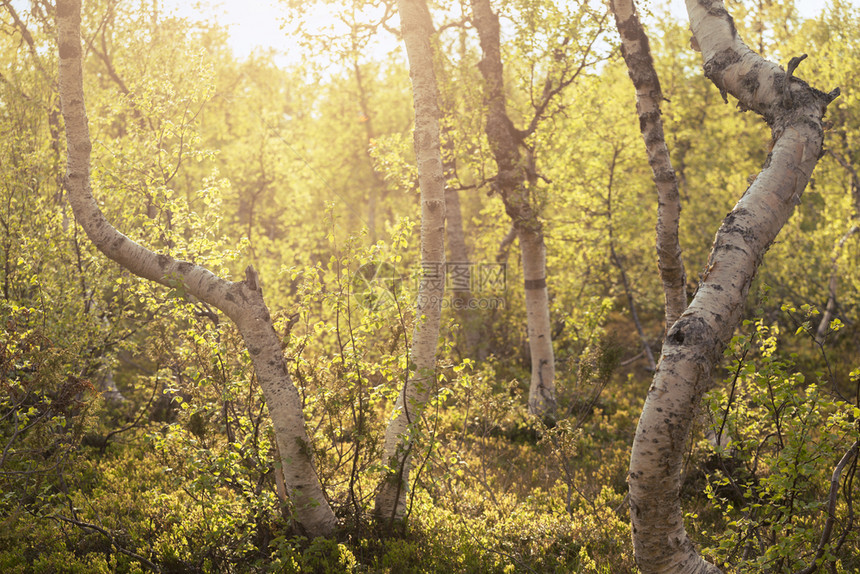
point(695, 343)
point(241, 301)
point(512, 184)
point(403, 428)
point(830, 307)
point(640, 66)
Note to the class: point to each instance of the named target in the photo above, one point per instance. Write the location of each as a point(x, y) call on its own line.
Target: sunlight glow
point(262, 25)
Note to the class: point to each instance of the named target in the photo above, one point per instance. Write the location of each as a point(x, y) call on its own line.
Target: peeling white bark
point(241, 301)
point(696, 341)
point(400, 434)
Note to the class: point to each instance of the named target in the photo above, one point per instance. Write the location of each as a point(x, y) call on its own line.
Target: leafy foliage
point(778, 438)
point(134, 436)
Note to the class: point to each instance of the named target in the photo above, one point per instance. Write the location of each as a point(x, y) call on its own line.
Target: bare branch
point(87, 526)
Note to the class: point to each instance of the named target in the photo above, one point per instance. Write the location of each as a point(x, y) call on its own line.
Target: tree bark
point(640, 66)
point(241, 301)
point(542, 388)
point(401, 432)
point(695, 343)
point(512, 184)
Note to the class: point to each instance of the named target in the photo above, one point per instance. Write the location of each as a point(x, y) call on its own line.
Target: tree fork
point(695, 343)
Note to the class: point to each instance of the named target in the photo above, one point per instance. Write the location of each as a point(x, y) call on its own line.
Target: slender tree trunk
point(631, 303)
point(241, 301)
point(400, 435)
point(640, 66)
point(458, 252)
point(376, 192)
point(830, 308)
point(695, 343)
point(460, 271)
point(542, 386)
point(505, 245)
point(460, 266)
point(512, 184)
point(619, 264)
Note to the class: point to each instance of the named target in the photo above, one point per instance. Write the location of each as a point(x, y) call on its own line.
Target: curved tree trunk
point(640, 66)
point(511, 183)
point(241, 301)
point(400, 434)
point(695, 343)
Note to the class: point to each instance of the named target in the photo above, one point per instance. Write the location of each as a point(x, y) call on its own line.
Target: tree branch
point(640, 67)
point(241, 301)
point(87, 526)
point(831, 508)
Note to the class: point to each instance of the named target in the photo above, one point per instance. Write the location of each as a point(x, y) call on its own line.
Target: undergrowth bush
point(783, 461)
point(182, 477)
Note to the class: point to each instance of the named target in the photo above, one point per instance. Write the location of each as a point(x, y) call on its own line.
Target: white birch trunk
point(542, 386)
point(241, 301)
point(400, 434)
point(640, 66)
point(695, 343)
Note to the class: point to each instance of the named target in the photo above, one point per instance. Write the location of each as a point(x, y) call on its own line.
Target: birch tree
point(695, 343)
point(400, 435)
point(511, 183)
point(242, 301)
point(516, 178)
point(459, 270)
point(460, 263)
point(636, 52)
